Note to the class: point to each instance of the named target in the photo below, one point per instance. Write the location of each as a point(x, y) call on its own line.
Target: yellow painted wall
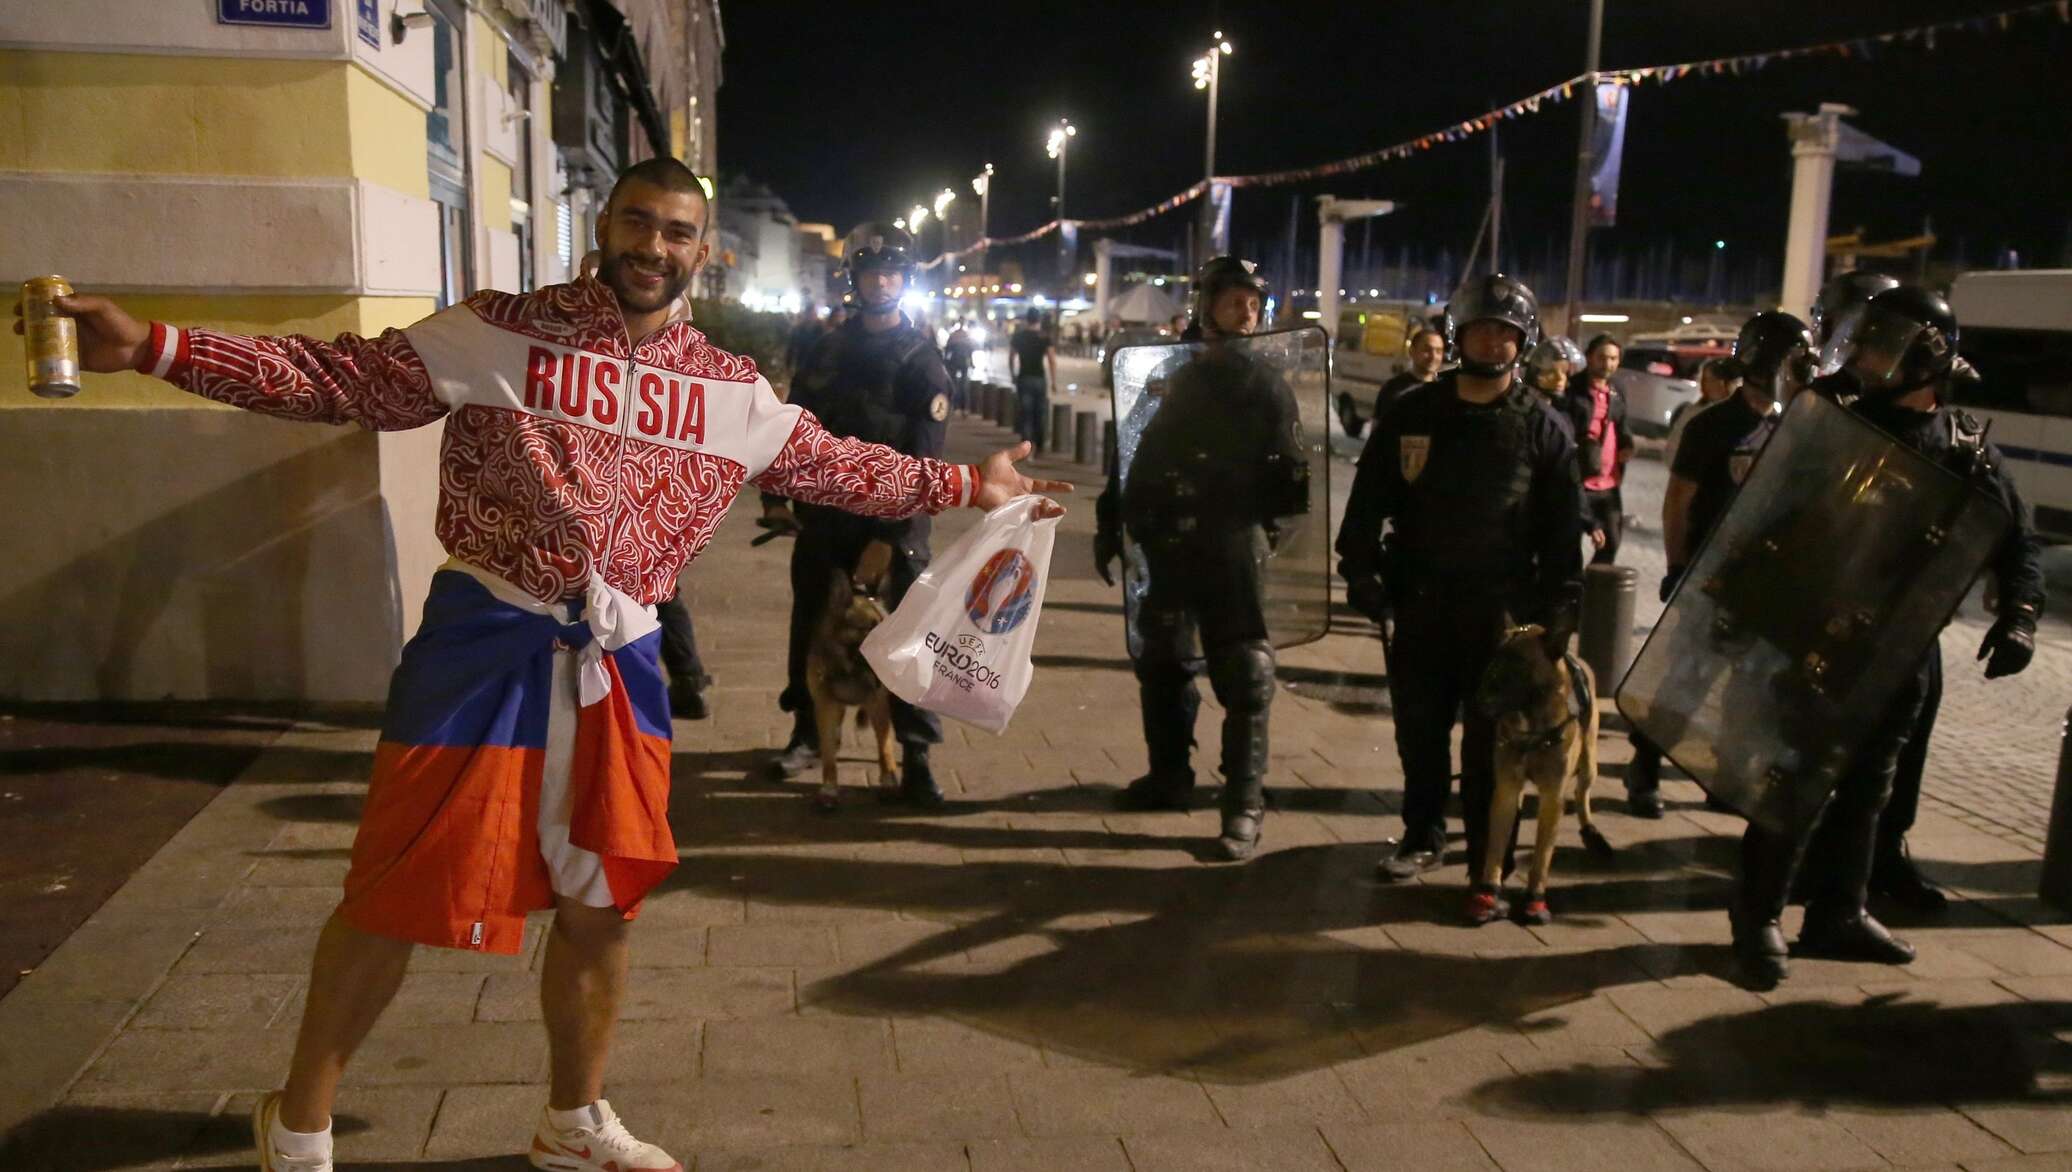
point(318, 316)
point(387, 135)
point(496, 193)
point(167, 115)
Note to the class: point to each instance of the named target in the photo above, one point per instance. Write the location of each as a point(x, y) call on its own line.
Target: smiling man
point(593, 442)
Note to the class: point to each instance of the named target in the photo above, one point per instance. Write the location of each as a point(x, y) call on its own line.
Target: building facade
point(285, 166)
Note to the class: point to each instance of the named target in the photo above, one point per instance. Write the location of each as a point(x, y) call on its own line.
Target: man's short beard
point(673, 285)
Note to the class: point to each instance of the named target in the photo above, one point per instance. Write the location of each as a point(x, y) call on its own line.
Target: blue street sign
point(370, 22)
point(275, 13)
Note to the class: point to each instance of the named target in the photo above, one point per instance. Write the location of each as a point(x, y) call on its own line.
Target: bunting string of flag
point(1864, 48)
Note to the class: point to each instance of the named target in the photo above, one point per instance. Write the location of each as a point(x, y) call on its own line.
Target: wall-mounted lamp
point(401, 22)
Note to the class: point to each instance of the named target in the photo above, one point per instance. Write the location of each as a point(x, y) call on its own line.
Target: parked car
point(1659, 372)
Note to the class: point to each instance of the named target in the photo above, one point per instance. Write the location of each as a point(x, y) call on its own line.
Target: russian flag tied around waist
point(448, 852)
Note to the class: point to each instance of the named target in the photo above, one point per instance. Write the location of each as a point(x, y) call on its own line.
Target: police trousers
point(1840, 846)
point(821, 550)
point(1442, 647)
point(1203, 608)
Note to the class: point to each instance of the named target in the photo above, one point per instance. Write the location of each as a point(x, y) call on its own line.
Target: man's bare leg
point(584, 974)
point(352, 979)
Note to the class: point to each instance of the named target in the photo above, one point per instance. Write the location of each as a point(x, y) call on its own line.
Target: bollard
point(989, 405)
point(1107, 448)
point(1086, 443)
point(1605, 631)
point(1059, 438)
point(2056, 885)
point(982, 400)
point(1004, 407)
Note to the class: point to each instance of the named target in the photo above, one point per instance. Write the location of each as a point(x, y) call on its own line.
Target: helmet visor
point(1872, 344)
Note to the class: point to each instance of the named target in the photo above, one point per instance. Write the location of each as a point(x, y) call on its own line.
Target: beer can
point(52, 338)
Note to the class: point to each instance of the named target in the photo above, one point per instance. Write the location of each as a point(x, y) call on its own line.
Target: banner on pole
point(1219, 218)
point(1609, 143)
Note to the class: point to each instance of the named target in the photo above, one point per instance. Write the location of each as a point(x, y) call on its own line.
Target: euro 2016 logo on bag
point(1001, 593)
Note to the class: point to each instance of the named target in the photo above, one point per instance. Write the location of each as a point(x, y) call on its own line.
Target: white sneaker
point(271, 1158)
point(600, 1145)
point(798, 759)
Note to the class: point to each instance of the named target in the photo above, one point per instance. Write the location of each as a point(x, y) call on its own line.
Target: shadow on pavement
point(88, 1139)
point(1891, 1051)
point(207, 762)
point(1229, 973)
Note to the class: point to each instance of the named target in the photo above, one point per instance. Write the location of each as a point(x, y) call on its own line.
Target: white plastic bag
point(959, 643)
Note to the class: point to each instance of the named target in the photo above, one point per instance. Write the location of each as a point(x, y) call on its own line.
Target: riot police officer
point(1211, 472)
point(1900, 352)
point(1893, 874)
point(1479, 483)
point(878, 377)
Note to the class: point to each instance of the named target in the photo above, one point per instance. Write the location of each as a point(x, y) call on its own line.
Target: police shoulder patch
point(939, 408)
point(1413, 450)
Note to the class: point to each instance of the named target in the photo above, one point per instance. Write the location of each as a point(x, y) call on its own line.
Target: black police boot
point(1243, 678)
point(1760, 953)
point(1857, 936)
point(687, 697)
point(916, 781)
point(1895, 877)
point(1244, 816)
point(1157, 791)
point(1644, 783)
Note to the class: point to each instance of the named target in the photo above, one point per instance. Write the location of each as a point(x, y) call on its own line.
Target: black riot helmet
point(878, 245)
point(1219, 274)
point(1775, 353)
point(1495, 297)
point(1842, 294)
point(1905, 339)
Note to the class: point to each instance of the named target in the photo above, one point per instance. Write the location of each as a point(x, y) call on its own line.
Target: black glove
point(1107, 548)
point(2011, 644)
point(1670, 578)
point(1368, 596)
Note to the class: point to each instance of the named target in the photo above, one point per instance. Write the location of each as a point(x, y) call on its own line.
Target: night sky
point(852, 112)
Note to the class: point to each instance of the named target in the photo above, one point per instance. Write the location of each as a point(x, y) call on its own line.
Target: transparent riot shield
point(1295, 569)
point(1811, 602)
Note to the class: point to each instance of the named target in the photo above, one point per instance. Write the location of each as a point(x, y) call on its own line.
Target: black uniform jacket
point(1481, 500)
point(888, 387)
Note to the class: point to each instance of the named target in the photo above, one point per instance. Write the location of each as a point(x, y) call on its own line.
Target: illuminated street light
point(900, 224)
point(1208, 75)
point(943, 200)
point(916, 217)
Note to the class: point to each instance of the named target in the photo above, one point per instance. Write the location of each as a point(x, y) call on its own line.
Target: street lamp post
point(982, 185)
point(1208, 75)
point(1060, 143)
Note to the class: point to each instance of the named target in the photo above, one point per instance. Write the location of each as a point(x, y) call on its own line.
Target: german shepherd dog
point(839, 678)
point(1545, 709)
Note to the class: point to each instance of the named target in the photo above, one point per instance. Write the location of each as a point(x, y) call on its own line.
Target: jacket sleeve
point(380, 383)
point(1618, 413)
point(1372, 502)
point(1557, 499)
point(2018, 563)
point(868, 479)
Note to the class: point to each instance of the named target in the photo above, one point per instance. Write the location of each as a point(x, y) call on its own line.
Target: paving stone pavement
point(1029, 980)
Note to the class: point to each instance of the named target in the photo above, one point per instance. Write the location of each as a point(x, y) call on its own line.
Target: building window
point(519, 84)
point(446, 151)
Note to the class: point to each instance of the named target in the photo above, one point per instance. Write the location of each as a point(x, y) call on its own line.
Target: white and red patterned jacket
point(567, 449)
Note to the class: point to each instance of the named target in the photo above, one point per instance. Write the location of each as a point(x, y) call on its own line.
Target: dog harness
point(1579, 701)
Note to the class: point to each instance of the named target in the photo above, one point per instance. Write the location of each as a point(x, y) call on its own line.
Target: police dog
point(839, 678)
point(1545, 710)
